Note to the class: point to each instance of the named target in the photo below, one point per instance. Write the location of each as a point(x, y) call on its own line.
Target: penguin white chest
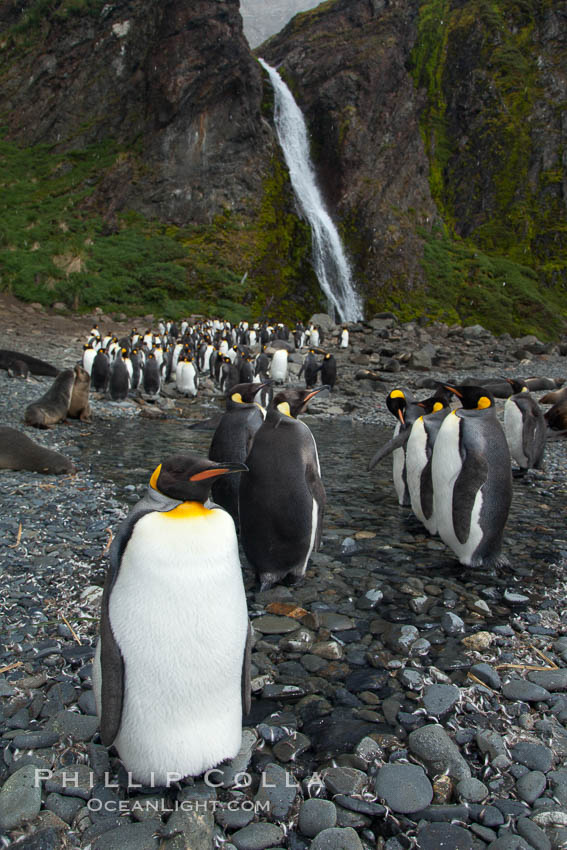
point(416, 461)
point(178, 614)
point(279, 365)
point(445, 469)
point(399, 470)
point(514, 428)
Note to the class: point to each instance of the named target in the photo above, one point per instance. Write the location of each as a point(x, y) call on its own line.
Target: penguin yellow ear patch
point(437, 406)
point(155, 476)
point(397, 394)
point(284, 408)
point(236, 397)
point(483, 403)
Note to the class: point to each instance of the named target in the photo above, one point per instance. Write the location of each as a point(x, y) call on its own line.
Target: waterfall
point(329, 260)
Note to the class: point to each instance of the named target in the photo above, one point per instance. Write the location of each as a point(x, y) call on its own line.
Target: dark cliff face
point(347, 64)
point(173, 79)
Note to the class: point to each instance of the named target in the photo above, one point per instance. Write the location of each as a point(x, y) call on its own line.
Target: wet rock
point(278, 789)
point(491, 742)
point(533, 834)
point(452, 624)
point(487, 674)
point(344, 780)
point(20, 798)
point(533, 755)
point(531, 785)
point(550, 680)
point(404, 787)
point(316, 815)
point(472, 790)
point(257, 836)
point(439, 700)
point(444, 835)
point(272, 624)
point(337, 839)
point(523, 690)
point(438, 752)
point(290, 748)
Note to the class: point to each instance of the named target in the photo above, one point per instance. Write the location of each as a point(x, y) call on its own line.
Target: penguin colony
point(262, 481)
point(454, 467)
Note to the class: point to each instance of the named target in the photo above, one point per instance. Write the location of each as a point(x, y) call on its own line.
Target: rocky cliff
point(173, 80)
point(439, 129)
point(141, 165)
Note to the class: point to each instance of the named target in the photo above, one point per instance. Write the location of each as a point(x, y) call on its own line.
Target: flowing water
point(329, 260)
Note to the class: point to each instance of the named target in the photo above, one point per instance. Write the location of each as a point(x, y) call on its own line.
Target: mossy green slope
point(495, 177)
point(55, 248)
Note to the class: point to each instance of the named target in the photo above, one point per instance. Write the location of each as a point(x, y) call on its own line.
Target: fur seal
point(79, 407)
point(53, 405)
point(17, 451)
point(36, 367)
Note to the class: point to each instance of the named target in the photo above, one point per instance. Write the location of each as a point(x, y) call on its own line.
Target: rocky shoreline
point(399, 700)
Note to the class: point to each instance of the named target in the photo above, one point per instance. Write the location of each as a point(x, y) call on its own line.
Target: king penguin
point(525, 428)
point(282, 497)
point(171, 670)
point(232, 441)
point(401, 404)
point(472, 479)
point(419, 453)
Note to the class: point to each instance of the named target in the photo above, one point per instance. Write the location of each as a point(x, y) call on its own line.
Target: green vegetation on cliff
point(505, 215)
point(55, 247)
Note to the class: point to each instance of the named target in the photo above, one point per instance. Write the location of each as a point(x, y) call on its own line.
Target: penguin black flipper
point(246, 685)
point(472, 476)
point(399, 440)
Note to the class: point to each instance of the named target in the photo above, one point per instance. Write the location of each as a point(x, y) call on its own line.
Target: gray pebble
point(445, 835)
point(533, 834)
point(64, 807)
point(534, 755)
point(509, 842)
point(337, 839)
point(472, 790)
point(20, 798)
point(130, 836)
point(531, 785)
point(316, 815)
point(523, 690)
point(452, 624)
point(551, 680)
point(80, 727)
point(438, 752)
point(278, 788)
point(487, 674)
point(344, 780)
point(438, 700)
point(491, 742)
point(257, 836)
point(404, 787)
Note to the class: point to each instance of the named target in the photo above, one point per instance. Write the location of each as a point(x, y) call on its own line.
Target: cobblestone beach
point(399, 699)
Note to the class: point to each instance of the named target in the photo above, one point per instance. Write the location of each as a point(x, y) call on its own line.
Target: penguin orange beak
point(453, 390)
point(219, 470)
point(314, 393)
point(401, 417)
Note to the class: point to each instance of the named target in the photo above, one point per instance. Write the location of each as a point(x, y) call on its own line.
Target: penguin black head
point(397, 401)
point(438, 401)
point(293, 402)
point(471, 397)
point(244, 393)
point(189, 478)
